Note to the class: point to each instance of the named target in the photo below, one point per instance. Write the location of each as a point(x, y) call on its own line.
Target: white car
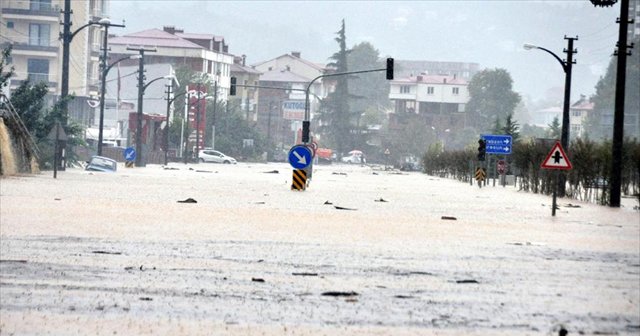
point(353, 158)
point(210, 155)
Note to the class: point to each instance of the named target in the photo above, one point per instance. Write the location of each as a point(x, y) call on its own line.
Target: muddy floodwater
point(362, 251)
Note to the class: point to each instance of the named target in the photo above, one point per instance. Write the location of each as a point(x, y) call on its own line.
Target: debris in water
point(259, 203)
point(381, 200)
point(171, 168)
point(144, 298)
point(304, 274)
point(343, 208)
point(57, 199)
point(334, 173)
point(257, 279)
point(403, 297)
point(572, 206)
point(448, 218)
point(188, 200)
point(327, 203)
point(469, 281)
point(106, 252)
point(13, 261)
point(272, 172)
point(203, 171)
point(336, 294)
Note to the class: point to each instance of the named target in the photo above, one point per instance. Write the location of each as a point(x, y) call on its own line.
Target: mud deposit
point(400, 275)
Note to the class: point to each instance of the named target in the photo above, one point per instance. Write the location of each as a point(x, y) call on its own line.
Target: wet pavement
point(92, 253)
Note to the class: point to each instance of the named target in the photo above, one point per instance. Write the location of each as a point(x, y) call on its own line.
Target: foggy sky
point(490, 33)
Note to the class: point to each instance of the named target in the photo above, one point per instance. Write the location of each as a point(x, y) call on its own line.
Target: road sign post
point(557, 160)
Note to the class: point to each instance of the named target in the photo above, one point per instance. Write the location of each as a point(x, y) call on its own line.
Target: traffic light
point(389, 68)
point(482, 149)
point(232, 89)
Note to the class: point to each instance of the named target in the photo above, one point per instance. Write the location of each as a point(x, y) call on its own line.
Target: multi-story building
point(32, 27)
point(246, 97)
point(203, 53)
point(460, 70)
point(440, 100)
point(281, 111)
point(579, 112)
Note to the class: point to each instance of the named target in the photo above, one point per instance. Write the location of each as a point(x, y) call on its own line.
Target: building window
point(576, 130)
point(40, 4)
point(576, 113)
point(456, 90)
point(430, 90)
point(10, 24)
point(38, 70)
point(39, 34)
point(405, 89)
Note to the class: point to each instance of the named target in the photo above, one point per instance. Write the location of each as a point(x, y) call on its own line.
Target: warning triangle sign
point(557, 159)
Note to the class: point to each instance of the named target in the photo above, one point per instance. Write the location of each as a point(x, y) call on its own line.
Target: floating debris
point(188, 200)
point(13, 261)
point(204, 171)
point(106, 252)
point(171, 168)
point(304, 274)
point(327, 203)
point(469, 281)
point(572, 206)
point(272, 172)
point(381, 200)
point(448, 218)
point(144, 298)
point(334, 173)
point(343, 208)
point(336, 294)
point(257, 279)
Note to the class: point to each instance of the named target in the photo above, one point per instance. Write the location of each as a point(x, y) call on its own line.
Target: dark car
point(101, 164)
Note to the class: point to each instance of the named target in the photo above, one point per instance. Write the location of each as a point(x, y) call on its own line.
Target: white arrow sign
point(301, 159)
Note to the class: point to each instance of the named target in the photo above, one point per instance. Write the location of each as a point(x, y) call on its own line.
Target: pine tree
point(335, 116)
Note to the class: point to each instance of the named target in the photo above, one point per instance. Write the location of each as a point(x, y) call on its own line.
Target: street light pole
point(141, 87)
point(105, 71)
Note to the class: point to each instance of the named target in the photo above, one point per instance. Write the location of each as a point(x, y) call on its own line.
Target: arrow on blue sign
point(498, 144)
point(129, 154)
point(300, 156)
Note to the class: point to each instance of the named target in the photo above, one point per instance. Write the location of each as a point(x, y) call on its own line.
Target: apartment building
point(440, 100)
point(32, 28)
point(246, 98)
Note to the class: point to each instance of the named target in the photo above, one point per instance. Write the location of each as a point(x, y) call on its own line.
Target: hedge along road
point(361, 251)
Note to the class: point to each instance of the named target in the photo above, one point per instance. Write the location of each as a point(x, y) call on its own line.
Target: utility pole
point(66, 42)
point(564, 139)
point(141, 77)
point(198, 123)
point(618, 114)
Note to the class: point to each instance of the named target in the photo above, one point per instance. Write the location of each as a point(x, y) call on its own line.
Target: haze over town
point(490, 33)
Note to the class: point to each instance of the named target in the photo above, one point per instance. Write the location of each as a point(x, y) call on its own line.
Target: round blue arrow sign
point(129, 154)
point(300, 156)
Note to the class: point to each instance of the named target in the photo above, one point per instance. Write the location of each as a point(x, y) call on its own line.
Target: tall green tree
point(512, 128)
point(5, 73)
point(555, 130)
point(491, 95)
point(336, 117)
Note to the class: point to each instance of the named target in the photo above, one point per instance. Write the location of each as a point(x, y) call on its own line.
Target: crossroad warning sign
point(557, 159)
point(299, 181)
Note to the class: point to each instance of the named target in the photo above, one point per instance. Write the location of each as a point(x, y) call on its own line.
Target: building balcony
point(21, 9)
point(19, 48)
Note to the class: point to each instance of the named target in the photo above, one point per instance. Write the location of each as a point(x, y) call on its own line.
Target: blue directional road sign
point(300, 156)
point(129, 154)
point(498, 144)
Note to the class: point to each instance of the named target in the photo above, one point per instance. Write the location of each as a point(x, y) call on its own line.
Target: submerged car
point(101, 164)
point(210, 155)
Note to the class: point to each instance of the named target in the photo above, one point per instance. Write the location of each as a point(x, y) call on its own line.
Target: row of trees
point(588, 180)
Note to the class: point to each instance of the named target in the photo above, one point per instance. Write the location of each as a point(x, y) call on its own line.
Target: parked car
point(101, 164)
point(210, 155)
point(355, 156)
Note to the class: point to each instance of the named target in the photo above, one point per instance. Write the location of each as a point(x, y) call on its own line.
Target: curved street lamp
point(566, 67)
point(102, 92)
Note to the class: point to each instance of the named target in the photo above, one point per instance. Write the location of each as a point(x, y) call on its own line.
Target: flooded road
point(361, 251)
